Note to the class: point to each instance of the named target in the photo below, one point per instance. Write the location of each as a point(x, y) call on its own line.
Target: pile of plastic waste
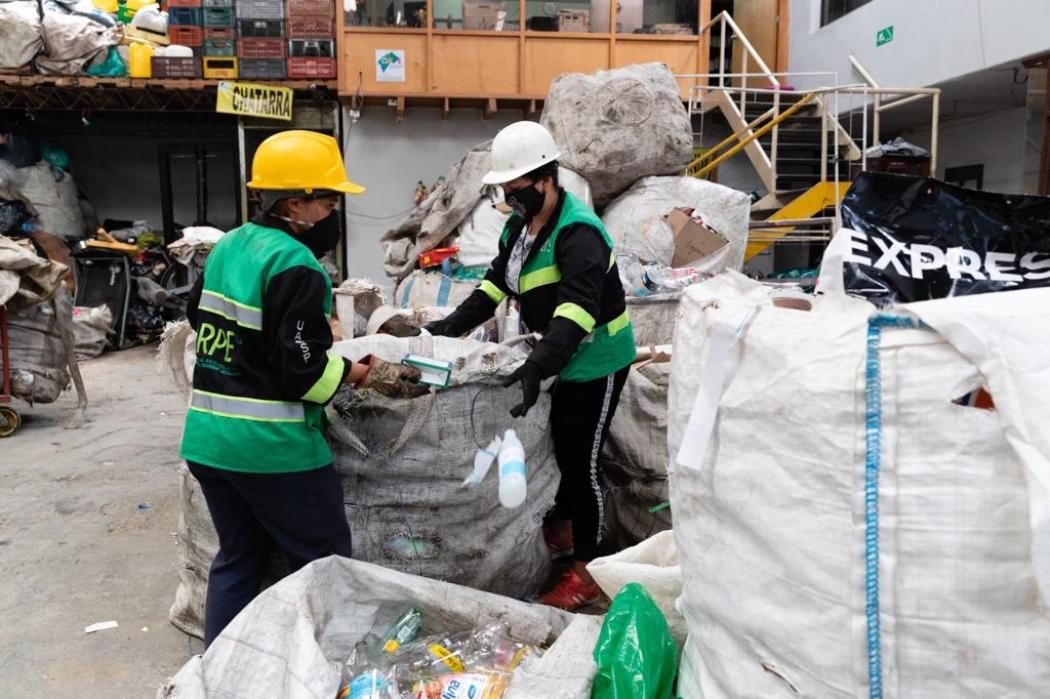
point(404, 663)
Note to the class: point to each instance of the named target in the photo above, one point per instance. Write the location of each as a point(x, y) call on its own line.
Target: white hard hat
point(518, 150)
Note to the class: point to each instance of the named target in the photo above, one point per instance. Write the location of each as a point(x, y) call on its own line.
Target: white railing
point(733, 91)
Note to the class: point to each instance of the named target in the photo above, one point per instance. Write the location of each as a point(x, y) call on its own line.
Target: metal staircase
point(804, 134)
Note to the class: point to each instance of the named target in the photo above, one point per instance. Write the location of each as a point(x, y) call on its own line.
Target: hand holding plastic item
point(391, 380)
point(530, 377)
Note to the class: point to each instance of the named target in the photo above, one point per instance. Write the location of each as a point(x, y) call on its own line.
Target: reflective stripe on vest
point(617, 324)
point(492, 291)
point(576, 314)
point(242, 314)
point(246, 408)
point(537, 278)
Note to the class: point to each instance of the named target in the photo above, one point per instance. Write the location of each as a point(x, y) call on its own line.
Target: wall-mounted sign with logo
point(884, 36)
point(390, 65)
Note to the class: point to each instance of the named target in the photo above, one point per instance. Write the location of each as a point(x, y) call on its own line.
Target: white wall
point(388, 158)
point(994, 140)
point(934, 40)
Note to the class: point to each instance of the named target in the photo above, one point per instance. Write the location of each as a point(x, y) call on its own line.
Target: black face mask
point(323, 236)
point(526, 202)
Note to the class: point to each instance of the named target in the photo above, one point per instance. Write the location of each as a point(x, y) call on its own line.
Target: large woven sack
point(402, 463)
point(616, 126)
point(40, 341)
point(54, 195)
point(20, 34)
point(292, 640)
point(430, 288)
point(848, 524)
point(635, 220)
point(635, 459)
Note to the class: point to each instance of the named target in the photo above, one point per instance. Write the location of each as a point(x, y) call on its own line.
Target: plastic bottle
point(403, 631)
point(482, 463)
point(512, 486)
point(140, 64)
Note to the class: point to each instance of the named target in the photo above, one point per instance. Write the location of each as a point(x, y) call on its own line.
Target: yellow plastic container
point(140, 63)
point(109, 6)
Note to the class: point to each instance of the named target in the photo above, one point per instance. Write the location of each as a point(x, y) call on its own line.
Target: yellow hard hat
point(300, 160)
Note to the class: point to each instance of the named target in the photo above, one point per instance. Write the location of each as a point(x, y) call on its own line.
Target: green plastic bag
point(636, 656)
point(112, 67)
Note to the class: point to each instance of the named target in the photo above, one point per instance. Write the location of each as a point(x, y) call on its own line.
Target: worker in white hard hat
point(556, 260)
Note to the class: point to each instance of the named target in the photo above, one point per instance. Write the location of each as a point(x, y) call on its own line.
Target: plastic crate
point(184, 17)
point(260, 9)
point(260, 29)
point(217, 3)
point(311, 67)
point(260, 48)
point(219, 17)
point(221, 33)
point(220, 67)
point(166, 67)
point(311, 48)
point(219, 47)
point(183, 3)
point(262, 68)
point(311, 27)
point(310, 8)
point(186, 35)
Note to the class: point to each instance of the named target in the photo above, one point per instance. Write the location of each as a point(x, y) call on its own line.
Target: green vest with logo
point(608, 347)
point(238, 417)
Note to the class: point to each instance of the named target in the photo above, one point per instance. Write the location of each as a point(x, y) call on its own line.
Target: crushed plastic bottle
point(483, 461)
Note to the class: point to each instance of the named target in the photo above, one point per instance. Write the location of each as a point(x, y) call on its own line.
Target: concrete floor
point(76, 547)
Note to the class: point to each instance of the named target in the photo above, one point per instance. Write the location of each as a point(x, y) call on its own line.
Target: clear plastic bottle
point(512, 484)
point(483, 460)
point(403, 631)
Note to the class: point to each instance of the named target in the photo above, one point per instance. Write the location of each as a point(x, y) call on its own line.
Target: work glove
point(530, 376)
point(438, 328)
point(399, 326)
point(391, 380)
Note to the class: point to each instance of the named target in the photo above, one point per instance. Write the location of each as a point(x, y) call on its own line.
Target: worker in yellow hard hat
point(253, 436)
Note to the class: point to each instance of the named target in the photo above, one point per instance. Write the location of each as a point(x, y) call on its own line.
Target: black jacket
point(582, 257)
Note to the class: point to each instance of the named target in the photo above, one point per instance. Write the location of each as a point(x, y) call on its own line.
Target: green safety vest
point(239, 418)
point(608, 347)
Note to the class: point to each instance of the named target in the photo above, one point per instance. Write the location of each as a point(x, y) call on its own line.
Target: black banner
point(916, 239)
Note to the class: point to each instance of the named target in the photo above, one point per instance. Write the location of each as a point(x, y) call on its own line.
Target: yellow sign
point(248, 99)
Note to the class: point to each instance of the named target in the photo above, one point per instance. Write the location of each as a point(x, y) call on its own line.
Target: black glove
point(439, 328)
point(530, 376)
point(398, 326)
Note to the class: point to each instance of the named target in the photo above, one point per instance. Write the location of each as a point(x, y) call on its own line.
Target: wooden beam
point(489, 109)
point(445, 109)
point(400, 109)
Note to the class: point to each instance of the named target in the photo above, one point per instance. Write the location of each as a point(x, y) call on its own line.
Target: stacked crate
point(220, 39)
point(261, 39)
point(311, 38)
point(185, 28)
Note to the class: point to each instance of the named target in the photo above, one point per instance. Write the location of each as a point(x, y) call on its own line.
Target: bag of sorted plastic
point(300, 639)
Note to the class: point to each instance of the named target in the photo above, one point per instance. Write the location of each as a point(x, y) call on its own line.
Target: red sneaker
point(571, 593)
point(559, 542)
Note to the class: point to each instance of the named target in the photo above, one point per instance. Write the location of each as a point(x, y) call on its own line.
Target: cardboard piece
point(692, 240)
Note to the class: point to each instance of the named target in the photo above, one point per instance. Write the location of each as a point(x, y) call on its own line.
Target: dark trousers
point(580, 416)
point(301, 513)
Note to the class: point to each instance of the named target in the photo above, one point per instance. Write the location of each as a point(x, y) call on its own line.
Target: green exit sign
point(884, 36)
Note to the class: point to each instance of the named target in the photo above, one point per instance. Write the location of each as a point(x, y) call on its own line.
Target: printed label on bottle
point(512, 467)
point(446, 656)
